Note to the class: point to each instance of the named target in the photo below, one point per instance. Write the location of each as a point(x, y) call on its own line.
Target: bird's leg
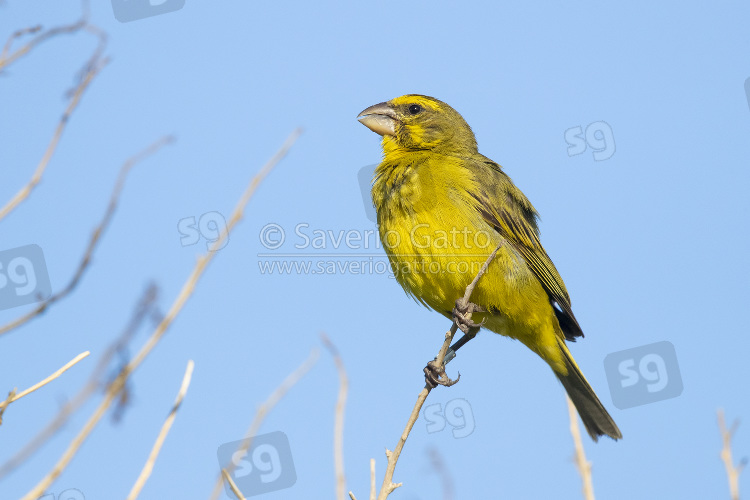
point(434, 374)
point(463, 309)
point(458, 344)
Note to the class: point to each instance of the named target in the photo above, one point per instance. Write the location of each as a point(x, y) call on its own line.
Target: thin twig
point(733, 472)
point(146, 307)
point(263, 410)
point(47, 380)
point(228, 478)
point(92, 68)
point(95, 236)
point(149, 466)
point(7, 401)
point(373, 492)
point(6, 59)
point(583, 465)
point(388, 485)
point(338, 428)
point(118, 383)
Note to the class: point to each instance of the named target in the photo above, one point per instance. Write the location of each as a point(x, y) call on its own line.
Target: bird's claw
point(434, 375)
point(466, 325)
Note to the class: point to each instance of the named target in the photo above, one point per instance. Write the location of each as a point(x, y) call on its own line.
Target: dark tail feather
point(595, 417)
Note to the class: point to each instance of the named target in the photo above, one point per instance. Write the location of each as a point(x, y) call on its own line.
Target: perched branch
point(95, 237)
point(583, 466)
point(388, 485)
point(146, 307)
point(118, 383)
point(338, 428)
point(260, 415)
point(47, 380)
point(733, 472)
point(146, 472)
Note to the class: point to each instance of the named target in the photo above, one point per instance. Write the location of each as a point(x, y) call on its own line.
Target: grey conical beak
point(379, 118)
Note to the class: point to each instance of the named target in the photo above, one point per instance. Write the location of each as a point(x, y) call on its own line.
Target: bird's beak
point(379, 118)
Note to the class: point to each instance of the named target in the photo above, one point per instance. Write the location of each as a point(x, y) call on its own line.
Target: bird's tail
point(595, 417)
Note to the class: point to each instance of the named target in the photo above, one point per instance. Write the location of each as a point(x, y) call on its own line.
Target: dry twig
point(92, 67)
point(338, 427)
point(388, 485)
point(149, 466)
point(146, 307)
point(260, 415)
point(583, 465)
point(95, 237)
point(117, 385)
point(733, 472)
point(46, 381)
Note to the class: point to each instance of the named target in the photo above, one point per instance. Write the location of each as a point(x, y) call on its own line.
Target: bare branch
point(232, 484)
point(146, 472)
point(338, 428)
point(118, 383)
point(95, 237)
point(263, 410)
point(583, 465)
point(733, 472)
point(388, 485)
point(146, 307)
point(7, 401)
point(92, 68)
point(6, 58)
point(47, 380)
point(373, 492)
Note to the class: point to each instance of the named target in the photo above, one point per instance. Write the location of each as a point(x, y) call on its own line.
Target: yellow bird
point(443, 208)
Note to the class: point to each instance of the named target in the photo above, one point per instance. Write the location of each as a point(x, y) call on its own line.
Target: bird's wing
point(509, 212)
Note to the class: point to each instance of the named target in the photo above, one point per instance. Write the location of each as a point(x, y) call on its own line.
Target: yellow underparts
point(437, 241)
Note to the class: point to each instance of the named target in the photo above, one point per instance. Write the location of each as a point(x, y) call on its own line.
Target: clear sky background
point(652, 242)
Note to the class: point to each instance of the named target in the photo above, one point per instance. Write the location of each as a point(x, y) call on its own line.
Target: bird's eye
point(415, 109)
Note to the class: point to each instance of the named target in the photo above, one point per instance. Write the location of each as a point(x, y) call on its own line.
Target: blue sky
point(651, 241)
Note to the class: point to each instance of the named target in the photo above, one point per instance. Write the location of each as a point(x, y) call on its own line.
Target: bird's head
point(418, 122)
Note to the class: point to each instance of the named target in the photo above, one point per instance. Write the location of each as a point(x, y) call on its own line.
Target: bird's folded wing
point(507, 210)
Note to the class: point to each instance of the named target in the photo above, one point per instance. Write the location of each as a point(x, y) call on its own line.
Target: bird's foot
point(434, 375)
point(461, 311)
